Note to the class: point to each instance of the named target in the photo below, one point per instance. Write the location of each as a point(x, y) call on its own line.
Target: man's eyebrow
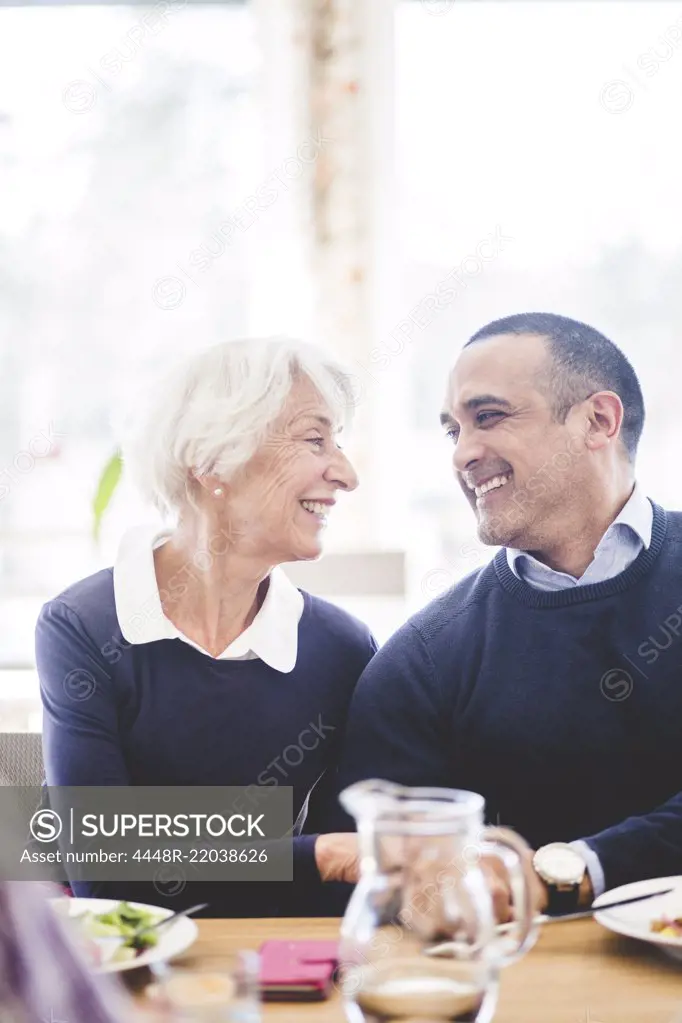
point(486, 399)
point(473, 403)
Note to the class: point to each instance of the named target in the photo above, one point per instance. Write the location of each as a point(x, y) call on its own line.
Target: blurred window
point(119, 238)
point(538, 169)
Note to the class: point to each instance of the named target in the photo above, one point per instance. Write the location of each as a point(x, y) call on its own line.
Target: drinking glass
point(222, 991)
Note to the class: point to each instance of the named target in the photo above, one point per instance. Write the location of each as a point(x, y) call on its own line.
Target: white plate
point(173, 939)
point(635, 921)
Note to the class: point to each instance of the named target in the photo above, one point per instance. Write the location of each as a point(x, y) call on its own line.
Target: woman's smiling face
point(279, 502)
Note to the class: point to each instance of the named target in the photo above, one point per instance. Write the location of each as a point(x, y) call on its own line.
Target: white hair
point(211, 413)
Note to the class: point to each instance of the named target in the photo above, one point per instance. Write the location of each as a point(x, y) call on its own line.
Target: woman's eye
point(319, 441)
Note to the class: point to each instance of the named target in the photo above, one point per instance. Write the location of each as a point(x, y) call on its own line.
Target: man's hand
point(586, 897)
point(497, 878)
point(337, 857)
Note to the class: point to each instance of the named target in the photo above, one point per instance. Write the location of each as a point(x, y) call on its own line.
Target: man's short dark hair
point(582, 361)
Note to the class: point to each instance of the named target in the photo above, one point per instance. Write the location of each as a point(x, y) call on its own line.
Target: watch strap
point(562, 899)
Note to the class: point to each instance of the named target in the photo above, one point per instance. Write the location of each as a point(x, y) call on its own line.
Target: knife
point(449, 946)
point(583, 914)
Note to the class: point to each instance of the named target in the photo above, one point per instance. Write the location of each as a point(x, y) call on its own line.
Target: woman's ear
point(210, 483)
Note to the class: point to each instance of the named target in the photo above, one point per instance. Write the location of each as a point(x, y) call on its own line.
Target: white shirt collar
point(272, 636)
point(636, 514)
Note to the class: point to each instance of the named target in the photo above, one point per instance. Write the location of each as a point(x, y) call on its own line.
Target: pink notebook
point(291, 970)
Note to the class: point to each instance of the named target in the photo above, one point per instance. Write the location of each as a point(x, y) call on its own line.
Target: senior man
point(549, 679)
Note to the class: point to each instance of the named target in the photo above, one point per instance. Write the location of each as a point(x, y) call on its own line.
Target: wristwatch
point(562, 869)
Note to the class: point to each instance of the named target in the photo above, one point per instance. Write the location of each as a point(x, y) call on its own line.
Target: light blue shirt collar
point(624, 539)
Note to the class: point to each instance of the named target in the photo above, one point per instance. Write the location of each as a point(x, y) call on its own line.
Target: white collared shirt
point(272, 636)
point(629, 532)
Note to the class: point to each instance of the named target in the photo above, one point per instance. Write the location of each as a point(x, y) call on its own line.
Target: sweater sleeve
point(646, 846)
point(397, 723)
point(311, 896)
point(81, 743)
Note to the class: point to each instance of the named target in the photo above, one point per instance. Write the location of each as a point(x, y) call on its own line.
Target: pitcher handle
point(515, 854)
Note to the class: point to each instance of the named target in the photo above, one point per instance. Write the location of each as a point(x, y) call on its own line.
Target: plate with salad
point(107, 930)
point(657, 920)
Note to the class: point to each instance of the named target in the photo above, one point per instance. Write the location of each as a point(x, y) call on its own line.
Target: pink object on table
point(298, 969)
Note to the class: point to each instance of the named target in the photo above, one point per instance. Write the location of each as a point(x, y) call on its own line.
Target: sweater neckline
point(533, 597)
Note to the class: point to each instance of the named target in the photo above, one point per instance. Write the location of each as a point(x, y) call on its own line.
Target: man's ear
point(604, 411)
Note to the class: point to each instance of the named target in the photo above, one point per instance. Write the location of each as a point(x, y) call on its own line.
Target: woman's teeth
point(316, 507)
point(493, 484)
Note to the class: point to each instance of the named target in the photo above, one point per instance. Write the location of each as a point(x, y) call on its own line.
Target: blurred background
point(384, 177)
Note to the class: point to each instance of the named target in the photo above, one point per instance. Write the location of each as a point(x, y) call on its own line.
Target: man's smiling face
point(519, 468)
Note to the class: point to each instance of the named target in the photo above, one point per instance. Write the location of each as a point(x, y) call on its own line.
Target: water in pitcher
point(417, 995)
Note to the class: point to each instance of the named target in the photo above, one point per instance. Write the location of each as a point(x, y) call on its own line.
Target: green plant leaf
point(108, 481)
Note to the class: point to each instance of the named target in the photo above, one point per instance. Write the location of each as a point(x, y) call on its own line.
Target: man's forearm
point(640, 847)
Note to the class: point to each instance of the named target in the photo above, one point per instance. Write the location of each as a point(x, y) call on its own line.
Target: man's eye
point(484, 417)
point(319, 441)
point(452, 434)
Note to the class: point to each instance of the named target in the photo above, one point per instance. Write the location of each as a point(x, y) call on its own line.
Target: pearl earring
point(218, 491)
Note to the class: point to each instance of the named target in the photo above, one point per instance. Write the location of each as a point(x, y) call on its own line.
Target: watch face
point(559, 864)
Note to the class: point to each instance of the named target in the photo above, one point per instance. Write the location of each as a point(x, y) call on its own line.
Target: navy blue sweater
point(163, 713)
point(563, 709)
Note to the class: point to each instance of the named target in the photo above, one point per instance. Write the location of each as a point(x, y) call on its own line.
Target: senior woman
point(194, 661)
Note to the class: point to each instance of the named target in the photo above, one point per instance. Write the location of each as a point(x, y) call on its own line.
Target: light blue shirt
point(629, 532)
point(625, 538)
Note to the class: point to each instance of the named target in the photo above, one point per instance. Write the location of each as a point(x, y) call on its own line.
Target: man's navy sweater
point(164, 713)
point(563, 709)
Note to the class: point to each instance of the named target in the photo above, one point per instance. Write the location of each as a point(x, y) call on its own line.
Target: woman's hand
point(337, 857)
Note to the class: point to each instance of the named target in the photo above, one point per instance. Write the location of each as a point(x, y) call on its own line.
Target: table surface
point(577, 973)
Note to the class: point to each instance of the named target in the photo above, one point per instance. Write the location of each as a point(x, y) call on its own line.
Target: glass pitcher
point(418, 940)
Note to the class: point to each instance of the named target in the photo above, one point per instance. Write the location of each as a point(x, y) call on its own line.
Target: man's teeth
point(316, 507)
point(496, 481)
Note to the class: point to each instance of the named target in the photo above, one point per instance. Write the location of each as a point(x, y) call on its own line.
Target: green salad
point(121, 922)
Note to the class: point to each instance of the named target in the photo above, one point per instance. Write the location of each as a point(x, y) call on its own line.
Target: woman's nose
point(342, 473)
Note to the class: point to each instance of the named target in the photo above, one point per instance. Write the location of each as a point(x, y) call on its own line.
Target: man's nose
point(468, 450)
point(342, 473)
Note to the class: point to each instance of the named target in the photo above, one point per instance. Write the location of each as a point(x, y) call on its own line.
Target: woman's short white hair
point(211, 413)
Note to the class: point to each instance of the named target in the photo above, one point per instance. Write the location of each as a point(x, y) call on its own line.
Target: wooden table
point(577, 973)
